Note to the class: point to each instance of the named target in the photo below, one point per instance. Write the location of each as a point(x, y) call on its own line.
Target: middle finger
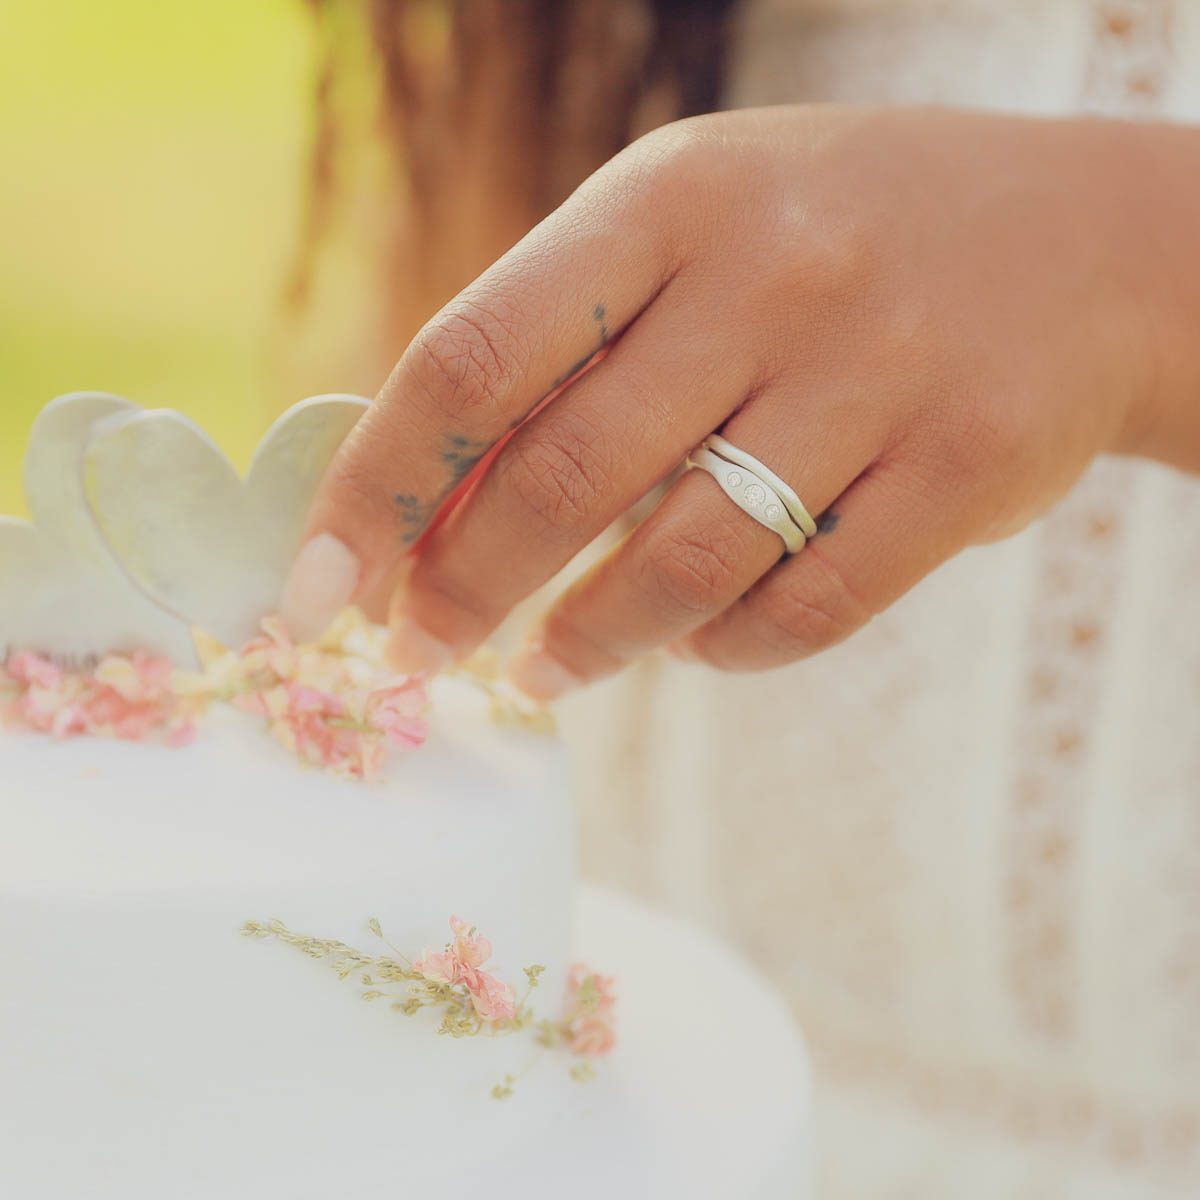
point(562, 479)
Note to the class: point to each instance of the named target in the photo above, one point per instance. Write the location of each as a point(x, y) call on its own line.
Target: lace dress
point(966, 844)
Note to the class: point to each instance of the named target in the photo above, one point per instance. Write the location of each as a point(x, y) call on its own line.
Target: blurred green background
point(153, 163)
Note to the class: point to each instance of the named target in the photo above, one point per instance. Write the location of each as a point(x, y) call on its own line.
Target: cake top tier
point(140, 591)
point(234, 807)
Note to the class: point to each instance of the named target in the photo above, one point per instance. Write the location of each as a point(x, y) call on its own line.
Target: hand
point(927, 322)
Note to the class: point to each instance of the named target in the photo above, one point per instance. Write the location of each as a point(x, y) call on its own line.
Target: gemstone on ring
point(757, 495)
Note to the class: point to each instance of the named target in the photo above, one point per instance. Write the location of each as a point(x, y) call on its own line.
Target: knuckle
point(559, 476)
point(835, 258)
point(355, 476)
point(826, 276)
point(813, 616)
point(680, 148)
point(963, 442)
point(682, 160)
point(465, 360)
point(688, 572)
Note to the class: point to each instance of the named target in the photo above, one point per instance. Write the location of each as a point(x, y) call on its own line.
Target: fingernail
point(540, 675)
point(413, 650)
point(681, 651)
point(399, 586)
point(318, 587)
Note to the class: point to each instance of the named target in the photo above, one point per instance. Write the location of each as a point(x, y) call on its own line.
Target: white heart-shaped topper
point(61, 593)
point(198, 540)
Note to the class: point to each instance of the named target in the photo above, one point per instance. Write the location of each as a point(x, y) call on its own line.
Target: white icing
point(147, 1049)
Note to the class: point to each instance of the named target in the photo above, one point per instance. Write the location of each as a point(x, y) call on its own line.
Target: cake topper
point(61, 593)
point(196, 538)
point(141, 528)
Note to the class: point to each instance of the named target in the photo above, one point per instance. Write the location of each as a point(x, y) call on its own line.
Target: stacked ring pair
point(756, 490)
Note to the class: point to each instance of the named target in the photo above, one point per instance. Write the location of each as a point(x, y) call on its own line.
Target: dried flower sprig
point(334, 703)
point(127, 696)
point(587, 1026)
point(472, 1002)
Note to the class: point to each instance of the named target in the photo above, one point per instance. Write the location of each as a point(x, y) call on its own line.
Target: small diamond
point(735, 478)
point(754, 494)
point(774, 512)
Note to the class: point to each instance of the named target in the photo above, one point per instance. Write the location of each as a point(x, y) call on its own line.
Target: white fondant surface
point(708, 1094)
point(148, 1051)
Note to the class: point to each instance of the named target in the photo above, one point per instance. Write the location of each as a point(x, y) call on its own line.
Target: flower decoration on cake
point(461, 964)
point(472, 1001)
point(143, 534)
point(333, 703)
point(123, 696)
point(141, 591)
point(588, 1023)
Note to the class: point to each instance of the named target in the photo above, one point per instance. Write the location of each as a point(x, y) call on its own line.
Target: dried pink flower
point(396, 711)
point(123, 696)
point(459, 965)
point(494, 1001)
point(437, 968)
point(471, 948)
point(334, 704)
point(592, 1038)
point(29, 668)
point(588, 1022)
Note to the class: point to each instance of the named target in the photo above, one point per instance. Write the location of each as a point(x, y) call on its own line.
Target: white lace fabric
point(967, 842)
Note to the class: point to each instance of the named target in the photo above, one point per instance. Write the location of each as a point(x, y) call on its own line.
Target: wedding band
point(791, 501)
point(752, 493)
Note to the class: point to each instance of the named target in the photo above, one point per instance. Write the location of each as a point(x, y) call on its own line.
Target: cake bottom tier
point(314, 1094)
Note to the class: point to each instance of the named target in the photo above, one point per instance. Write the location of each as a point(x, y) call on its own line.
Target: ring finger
point(693, 557)
point(561, 480)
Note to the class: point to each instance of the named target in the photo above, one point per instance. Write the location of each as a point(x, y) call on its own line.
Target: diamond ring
point(756, 490)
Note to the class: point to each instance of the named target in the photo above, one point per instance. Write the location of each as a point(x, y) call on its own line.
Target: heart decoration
point(141, 528)
point(61, 593)
point(197, 539)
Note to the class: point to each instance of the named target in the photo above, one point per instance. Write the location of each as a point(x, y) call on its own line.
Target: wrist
point(1155, 173)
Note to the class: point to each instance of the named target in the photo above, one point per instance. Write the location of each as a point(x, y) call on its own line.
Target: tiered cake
point(255, 943)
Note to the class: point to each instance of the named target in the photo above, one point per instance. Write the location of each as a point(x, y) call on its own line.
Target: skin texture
point(928, 322)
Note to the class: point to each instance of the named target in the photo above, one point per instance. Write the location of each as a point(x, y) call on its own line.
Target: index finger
point(472, 374)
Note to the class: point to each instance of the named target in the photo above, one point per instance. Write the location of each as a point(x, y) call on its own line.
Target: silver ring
point(791, 501)
point(753, 493)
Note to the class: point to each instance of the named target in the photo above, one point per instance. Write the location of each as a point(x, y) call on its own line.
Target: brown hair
point(491, 112)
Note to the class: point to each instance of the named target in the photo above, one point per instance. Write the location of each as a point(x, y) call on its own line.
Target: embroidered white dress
point(966, 843)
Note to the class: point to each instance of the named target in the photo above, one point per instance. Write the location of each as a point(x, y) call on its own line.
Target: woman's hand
point(927, 322)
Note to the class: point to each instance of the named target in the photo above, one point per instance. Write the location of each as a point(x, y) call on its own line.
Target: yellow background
point(152, 157)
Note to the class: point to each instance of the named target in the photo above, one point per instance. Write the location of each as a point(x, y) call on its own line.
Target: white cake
point(150, 1050)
